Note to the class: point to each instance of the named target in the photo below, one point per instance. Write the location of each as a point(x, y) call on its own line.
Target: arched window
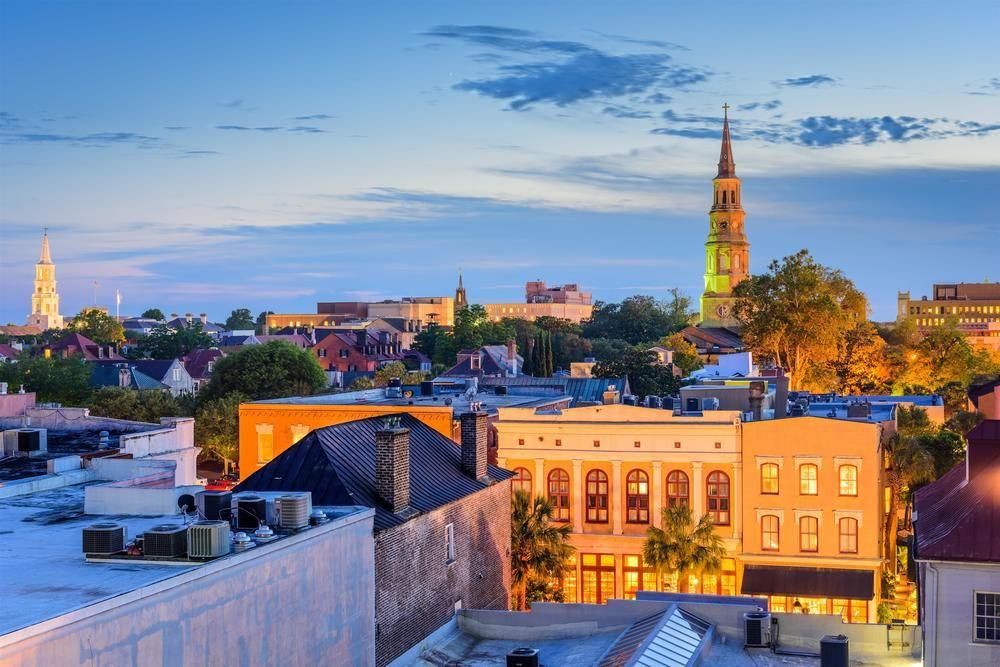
point(559, 494)
point(848, 480)
point(848, 535)
point(597, 497)
point(808, 534)
point(732, 196)
point(769, 479)
point(770, 528)
point(717, 490)
point(678, 488)
point(521, 480)
point(723, 196)
point(637, 497)
point(808, 479)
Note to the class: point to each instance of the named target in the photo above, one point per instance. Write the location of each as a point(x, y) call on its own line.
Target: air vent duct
point(208, 539)
point(104, 539)
point(168, 540)
point(294, 510)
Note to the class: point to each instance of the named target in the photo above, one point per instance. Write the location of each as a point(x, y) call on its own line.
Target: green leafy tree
point(273, 370)
point(911, 463)
point(683, 546)
point(396, 369)
point(606, 349)
point(862, 364)
point(217, 429)
point(539, 548)
point(639, 319)
point(98, 326)
point(431, 340)
point(963, 421)
point(165, 342)
point(685, 353)
point(154, 314)
point(797, 314)
point(362, 383)
point(646, 375)
point(142, 406)
point(53, 380)
point(240, 320)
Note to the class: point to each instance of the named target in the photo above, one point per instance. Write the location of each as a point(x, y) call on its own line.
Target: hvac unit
point(10, 442)
point(652, 401)
point(629, 400)
point(692, 405)
point(215, 505)
point(32, 441)
point(500, 390)
point(168, 540)
point(523, 657)
point(104, 539)
point(833, 651)
point(293, 510)
point(208, 539)
point(251, 512)
point(395, 388)
point(757, 626)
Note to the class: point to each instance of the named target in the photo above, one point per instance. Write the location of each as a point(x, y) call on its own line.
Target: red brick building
point(357, 351)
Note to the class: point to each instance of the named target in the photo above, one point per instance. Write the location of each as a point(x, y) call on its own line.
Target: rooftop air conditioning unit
point(293, 510)
point(32, 441)
point(168, 540)
point(757, 626)
point(10, 442)
point(523, 657)
point(208, 539)
point(251, 512)
point(215, 505)
point(104, 539)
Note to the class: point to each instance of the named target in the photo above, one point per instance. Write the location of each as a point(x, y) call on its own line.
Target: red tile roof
point(958, 516)
point(8, 352)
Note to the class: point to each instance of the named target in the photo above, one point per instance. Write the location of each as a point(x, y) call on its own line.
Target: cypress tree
point(549, 360)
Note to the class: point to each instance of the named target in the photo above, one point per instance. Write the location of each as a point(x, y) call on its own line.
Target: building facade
point(565, 302)
point(727, 252)
point(45, 298)
point(974, 307)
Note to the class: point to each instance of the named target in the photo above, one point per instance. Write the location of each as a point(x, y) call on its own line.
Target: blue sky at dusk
point(206, 156)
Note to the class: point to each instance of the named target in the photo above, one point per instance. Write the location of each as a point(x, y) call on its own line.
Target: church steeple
point(46, 258)
point(727, 166)
point(45, 298)
point(460, 299)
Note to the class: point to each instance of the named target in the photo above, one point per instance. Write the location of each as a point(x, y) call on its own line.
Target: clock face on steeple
point(722, 310)
point(723, 226)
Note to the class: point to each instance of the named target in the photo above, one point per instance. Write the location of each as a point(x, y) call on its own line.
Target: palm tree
point(909, 462)
point(683, 546)
point(539, 548)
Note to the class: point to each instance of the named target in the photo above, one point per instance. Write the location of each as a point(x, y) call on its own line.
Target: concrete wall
point(947, 604)
point(418, 590)
point(14, 405)
point(306, 600)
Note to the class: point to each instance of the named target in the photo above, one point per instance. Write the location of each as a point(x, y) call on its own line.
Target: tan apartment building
point(561, 301)
point(974, 307)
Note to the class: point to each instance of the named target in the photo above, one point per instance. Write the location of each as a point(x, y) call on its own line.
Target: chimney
point(392, 466)
point(362, 336)
point(511, 358)
point(204, 318)
point(474, 444)
point(757, 390)
point(188, 317)
point(173, 316)
point(611, 396)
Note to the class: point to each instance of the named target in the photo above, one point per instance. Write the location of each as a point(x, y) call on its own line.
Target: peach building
point(809, 543)
point(974, 307)
point(562, 301)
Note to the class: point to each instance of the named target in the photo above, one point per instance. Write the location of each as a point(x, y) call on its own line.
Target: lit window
point(717, 491)
point(449, 540)
point(637, 497)
point(848, 535)
point(521, 480)
point(808, 479)
point(637, 576)
point(299, 431)
point(597, 497)
point(265, 442)
point(808, 534)
point(678, 489)
point(848, 480)
point(769, 479)
point(597, 572)
point(987, 617)
point(769, 532)
point(559, 494)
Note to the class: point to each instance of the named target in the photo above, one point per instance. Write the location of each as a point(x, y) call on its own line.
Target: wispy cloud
point(654, 43)
point(237, 104)
point(765, 106)
point(812, 81)
point(315, 116)
point(96, 139)
point(307, 129)
point(245, 128)
point(625, 112)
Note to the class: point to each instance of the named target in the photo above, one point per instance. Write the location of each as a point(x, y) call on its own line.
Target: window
point(558, 442)
point(597, 574)
point(851, 611)
point(177, 375)
point(597, 497)
point(987, 617)
point(848, 480)
point(559, 494)
point(321, 353)
point(808, 479)
point(636, 576)
point(265, 443)
point(678, 490)
point(521, 480)
point(808, 534)
point(520, 442)
point(769, 532)
point(299, 431)
point(769, 479)
point(566, 582)
point(848, 535)
point(449, 542)
point(637, 497)
point(718, 497)
point(211, 366)
point(343, 353)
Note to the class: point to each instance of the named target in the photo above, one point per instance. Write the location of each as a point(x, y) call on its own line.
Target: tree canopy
point(685, 354)
point(53, 379)
point(273, 370)
point(240, 320)
point(646, 376)
point(472, 330)
point(144, 406)
point(154, 314)
point(98, 326)
point(639, 319)
point(683, 545)
point(217, 428)
point(539, 547)
point(165, 342)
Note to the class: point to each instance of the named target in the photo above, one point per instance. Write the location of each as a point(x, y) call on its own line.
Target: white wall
point(947, 604)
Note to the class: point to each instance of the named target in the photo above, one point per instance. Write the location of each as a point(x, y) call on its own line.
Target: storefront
point(813, 590)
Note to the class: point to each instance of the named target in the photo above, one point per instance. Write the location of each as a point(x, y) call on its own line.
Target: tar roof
point(337, 464)
point(59, 443)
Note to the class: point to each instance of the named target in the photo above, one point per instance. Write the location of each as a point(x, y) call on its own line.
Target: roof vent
point(242, 541)
point(104, 539)
point(208, 539)
point(294, 510)
point(168, 540)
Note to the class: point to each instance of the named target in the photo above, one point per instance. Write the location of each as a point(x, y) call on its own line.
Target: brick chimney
point(204, 318)
point(392, 466)
point(611, 396)
point(474, 444)
point(511, 358)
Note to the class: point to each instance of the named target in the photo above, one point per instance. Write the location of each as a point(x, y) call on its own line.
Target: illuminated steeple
point(460, 299)
point(45, 298)
point(727, 166)
point(46, 258)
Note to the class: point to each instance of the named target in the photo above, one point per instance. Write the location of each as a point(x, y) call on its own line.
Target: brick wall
point(417, 589)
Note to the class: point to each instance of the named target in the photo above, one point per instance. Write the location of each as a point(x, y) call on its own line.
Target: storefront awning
point(808, 581)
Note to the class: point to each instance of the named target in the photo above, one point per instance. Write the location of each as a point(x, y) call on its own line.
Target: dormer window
point(476, 361)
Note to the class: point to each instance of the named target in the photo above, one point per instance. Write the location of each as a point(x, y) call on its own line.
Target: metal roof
point(817, 581)
point(337, 464)
point(669, 638)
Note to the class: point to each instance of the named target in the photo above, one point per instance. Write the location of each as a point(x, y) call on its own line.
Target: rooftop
point(44, 530)
point(457, 400)
point(61, 443)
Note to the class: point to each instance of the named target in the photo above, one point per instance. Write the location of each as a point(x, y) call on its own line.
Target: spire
point(727, 166)
point(46, 258)
point(460, 279)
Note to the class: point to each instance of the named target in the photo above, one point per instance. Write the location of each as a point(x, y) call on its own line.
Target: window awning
point(808, 581)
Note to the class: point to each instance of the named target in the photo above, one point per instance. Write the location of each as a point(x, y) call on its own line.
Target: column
point(615, 497)
point(656, 507)
point(578, 508)
point(697, 491)
point(736, 500)
point(539, 481)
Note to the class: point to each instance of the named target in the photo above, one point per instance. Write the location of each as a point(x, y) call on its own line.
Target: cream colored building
point(438, 310)
point(974, 307)
point(574, 312)
point(45, 298)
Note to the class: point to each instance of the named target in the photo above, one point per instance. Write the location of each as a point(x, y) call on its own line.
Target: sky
point(205, 156)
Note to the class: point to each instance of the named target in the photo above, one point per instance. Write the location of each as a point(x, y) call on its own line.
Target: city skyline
point(357, 161)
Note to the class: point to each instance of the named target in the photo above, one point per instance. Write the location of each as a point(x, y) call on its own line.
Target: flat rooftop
point(45, 573)
point(63, 443)
point(457, 401)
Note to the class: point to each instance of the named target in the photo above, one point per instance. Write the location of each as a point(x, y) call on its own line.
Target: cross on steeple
point(725, 110)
